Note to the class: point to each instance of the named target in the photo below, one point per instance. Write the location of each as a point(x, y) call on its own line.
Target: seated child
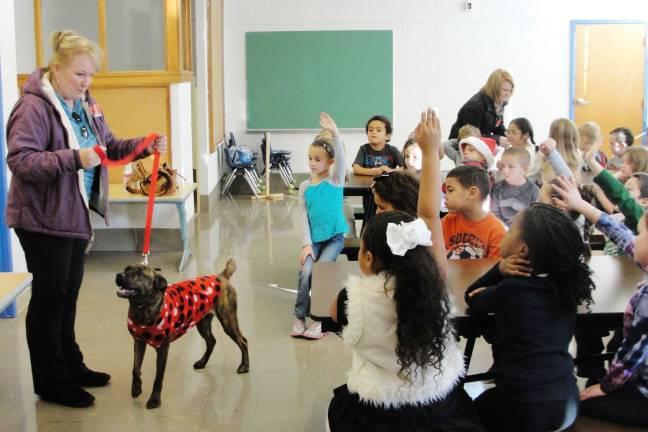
point(635, 159)
point(396, 318)
point(622, 395)
point(377, 156)
point(397, 190)
point(412, 156)
point(565, 135)
point(520, 134)
point(469, 230)
point(620, 139)
point(535, 313)
point(451, 147)
point(324, 225)
point(478, 152)
point(514, 192)
point(590, 137)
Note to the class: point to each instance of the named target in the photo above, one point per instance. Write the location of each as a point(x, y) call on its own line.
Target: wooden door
point(609, 76)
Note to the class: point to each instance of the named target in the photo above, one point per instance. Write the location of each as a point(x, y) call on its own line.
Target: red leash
point(146, 142)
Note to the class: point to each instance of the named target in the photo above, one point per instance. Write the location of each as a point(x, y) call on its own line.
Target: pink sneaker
point(314, 331)
point(298, 328)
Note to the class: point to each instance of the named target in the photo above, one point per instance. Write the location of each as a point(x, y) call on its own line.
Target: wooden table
point(11, 285)
point(358, 185)
point(616, 279)
point(118, 195)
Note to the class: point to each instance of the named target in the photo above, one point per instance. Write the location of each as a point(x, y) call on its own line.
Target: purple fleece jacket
point(45, 195)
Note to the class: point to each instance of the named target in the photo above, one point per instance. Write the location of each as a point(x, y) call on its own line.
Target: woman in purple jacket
point(57, 178)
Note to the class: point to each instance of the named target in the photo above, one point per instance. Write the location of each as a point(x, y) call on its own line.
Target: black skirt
point(453, 414)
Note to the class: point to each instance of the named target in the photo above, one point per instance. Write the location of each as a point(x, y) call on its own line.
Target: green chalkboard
point(293, 76)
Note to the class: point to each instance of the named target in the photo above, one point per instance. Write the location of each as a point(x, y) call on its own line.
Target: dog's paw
point(200, 364)
point(153, 403)
point(244, 368)
point(136, 389)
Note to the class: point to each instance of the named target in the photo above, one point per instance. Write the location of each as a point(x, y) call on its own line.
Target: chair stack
point(247, 170)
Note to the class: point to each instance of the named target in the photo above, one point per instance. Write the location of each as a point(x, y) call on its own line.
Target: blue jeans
point(327, 250)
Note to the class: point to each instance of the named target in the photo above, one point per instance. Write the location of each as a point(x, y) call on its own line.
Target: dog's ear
point(159, 283)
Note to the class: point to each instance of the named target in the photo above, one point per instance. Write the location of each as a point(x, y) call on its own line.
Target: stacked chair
point(279, 161)
point(245, 169)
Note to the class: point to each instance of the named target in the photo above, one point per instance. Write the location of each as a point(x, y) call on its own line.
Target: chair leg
point(289, 171)
point(284, 175)
point(250, 181)
point(229, 182)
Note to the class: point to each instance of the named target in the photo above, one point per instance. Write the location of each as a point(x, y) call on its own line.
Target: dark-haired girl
point(407, 366)
point(535, 315)
point(397, 190)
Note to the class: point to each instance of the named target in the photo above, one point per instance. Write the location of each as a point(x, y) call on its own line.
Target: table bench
point(11, 285)
point(118, 195)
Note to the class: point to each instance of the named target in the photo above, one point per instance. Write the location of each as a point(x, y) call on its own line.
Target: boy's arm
point(360, 170)
point(495, 207)
point(428, 137)
point(398, 157)
point(570, 199)
point(619, 195)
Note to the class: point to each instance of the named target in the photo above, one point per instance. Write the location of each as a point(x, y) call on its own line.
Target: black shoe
point(70, 396)
point(90, 378)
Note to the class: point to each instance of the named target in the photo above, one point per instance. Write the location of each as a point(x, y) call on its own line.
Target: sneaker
point(314, 331)
point(298, 328)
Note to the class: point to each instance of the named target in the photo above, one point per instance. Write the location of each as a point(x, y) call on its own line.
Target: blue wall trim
point(5, 239)
point(572, 66)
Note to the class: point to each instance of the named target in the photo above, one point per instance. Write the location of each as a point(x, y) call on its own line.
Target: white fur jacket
point(371, 334)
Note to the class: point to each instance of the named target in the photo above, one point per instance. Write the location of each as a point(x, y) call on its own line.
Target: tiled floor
point(290, 381)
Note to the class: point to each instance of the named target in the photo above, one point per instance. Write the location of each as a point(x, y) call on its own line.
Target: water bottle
point(126, 175)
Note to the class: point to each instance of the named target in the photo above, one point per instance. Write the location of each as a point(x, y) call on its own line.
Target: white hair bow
point(407, 235)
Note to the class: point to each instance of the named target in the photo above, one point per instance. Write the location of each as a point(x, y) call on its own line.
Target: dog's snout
point(119, 279)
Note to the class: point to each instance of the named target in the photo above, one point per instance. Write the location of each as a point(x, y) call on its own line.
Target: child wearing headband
point(324, 224)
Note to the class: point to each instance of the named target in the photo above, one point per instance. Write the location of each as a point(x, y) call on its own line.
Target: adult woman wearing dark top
point(485, 109)
point(535, 315)
point(57, 179)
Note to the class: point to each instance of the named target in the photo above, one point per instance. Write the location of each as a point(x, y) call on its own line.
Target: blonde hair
point(468, 130)
point(493, 85)
point(589, 132)
point(67, 44)
point(564, 132)
point(638, 158)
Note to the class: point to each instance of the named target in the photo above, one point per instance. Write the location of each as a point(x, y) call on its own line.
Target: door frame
point(572, 66)
point(5, 235)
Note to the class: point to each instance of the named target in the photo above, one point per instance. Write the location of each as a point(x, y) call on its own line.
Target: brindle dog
point(145, 290)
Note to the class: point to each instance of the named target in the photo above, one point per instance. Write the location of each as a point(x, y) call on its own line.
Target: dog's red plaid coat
point(185, 303)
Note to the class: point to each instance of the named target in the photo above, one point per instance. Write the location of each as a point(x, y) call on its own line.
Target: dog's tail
point(229, 269)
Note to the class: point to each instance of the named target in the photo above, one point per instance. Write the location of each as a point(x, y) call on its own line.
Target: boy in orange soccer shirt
point(470, 232)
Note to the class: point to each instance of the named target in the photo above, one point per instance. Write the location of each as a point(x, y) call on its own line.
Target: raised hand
point(428, 132)
point(547, 146)
point(326, 122)
point(570, 198)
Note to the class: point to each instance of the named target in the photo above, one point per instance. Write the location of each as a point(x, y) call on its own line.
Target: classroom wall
point(9, 97)
point(442, 55)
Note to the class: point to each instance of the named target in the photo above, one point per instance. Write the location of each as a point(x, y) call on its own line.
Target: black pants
point(56, 264)
point(499, 413)
point(625, 405)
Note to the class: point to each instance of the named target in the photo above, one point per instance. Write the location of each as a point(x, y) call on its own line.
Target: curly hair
point(400, 189)
point(422, 304)
point(556, 247)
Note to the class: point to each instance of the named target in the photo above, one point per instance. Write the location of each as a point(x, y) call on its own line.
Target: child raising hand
point(323, 219)
point(407, 366)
